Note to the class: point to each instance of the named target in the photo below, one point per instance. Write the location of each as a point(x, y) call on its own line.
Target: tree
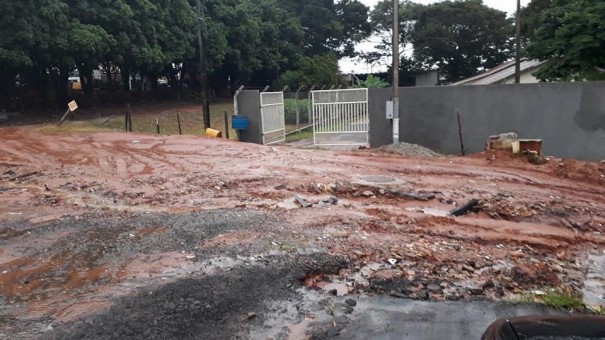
point(461, 38)
point(570, 36)
point(329, 26)
point(530, 16)
point(262, 39)
point(39, 40)
point(43, 41)
point(19, 21)
point(381, 19)
point(372, 82)
point(317, 70)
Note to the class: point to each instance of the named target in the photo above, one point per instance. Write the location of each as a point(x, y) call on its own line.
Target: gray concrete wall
point(380, 127)
point(569, 117)
point(248, 104)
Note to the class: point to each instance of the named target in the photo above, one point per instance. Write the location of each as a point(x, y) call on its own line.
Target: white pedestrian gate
point(273, 117)
point(340, 117)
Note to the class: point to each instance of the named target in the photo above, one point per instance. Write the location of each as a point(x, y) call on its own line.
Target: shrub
point(290, 110)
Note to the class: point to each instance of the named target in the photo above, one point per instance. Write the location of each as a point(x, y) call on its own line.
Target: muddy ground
point(114, 235)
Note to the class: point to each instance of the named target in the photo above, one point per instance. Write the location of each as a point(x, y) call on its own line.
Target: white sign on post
point(72, 105)
point(389, 110)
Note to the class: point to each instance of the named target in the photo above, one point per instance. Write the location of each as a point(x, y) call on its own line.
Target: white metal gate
point(273, 117)
point(340, 117)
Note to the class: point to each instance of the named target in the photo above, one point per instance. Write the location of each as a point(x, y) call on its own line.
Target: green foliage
point(247, 37)
point(557, 298)
point(290, 110)
point(304, 134)
point(381, 19)
point(247, 42)
point(292, 79)
point(570, 35)
point(330, 26)
point(563, 301)
point(372, 82)
point(460, 38)
point(316, 70)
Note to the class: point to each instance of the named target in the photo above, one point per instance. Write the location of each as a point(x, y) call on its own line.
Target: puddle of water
point(594, 285)
point(288, 204)
point(378, 179)
point(431, 212)
point(292, 319)
point(297, 331)
point(341, 288)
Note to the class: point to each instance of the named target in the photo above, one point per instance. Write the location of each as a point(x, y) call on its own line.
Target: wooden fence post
point(226, 124)
point(178, 120)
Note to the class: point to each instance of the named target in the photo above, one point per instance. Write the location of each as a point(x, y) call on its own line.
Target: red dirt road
point(142, 172)
point(533, 227)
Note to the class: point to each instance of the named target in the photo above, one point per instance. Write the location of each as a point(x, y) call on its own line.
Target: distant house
point(505, 74)
point(428, 78)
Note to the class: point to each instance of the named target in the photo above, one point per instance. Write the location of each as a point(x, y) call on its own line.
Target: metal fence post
point(235, 108)
point(298, 107)
point(310, 105)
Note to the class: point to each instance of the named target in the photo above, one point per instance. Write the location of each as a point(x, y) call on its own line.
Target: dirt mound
point(410, 150)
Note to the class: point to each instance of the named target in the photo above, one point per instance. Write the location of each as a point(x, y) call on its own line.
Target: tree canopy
point(293, 42)
point(459, 38)
point(320, 70)
point(570, 35)
point(330, 26)
point(246, 41)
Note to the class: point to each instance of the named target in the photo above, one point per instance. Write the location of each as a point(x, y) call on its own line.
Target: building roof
point(500, 73)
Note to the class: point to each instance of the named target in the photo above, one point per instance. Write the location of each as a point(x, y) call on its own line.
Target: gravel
point(213, 307)
point(410, 150)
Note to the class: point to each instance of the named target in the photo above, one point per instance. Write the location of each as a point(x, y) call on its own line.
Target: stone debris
point(304, 203)
point(503, 141)
point(410, 150)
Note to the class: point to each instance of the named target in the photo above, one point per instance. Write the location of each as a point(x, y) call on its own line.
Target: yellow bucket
point(213, 133)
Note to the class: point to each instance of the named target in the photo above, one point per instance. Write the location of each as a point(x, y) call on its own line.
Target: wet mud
point(91, 223)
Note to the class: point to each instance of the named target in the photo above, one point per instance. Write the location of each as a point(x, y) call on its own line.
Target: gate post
point(298, 107)
point(310, 105)
point(235, 107)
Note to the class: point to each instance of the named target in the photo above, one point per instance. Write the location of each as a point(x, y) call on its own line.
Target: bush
point(290, 111)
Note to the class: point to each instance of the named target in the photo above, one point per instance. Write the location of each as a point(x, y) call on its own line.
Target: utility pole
point(518, 45)
point(203, 73)
point(395, 71)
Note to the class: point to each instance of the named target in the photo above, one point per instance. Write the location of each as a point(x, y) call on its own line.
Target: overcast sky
point(356, 66)
point(503, 5)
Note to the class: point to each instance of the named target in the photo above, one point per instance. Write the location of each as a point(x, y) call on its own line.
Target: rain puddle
point(340, 288)
point(431, 212)
point(594, 286)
